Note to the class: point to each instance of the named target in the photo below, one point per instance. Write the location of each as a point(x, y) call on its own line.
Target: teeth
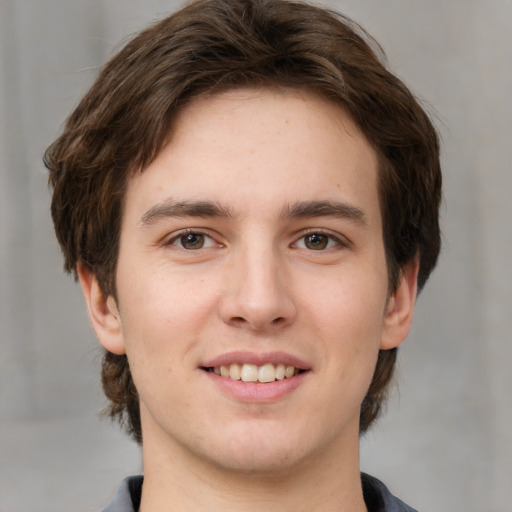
point(235, 371)
point(253, 373)
point(249, 373)
point(267, 373)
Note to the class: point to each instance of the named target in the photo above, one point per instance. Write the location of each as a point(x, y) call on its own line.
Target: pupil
point(192, 241)
point(317, 241)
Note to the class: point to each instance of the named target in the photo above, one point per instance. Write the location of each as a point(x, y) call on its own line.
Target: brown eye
point(192, 241)
point(316, 241)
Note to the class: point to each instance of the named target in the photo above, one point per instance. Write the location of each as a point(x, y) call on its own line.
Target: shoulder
point(378, 498)
point(128, 496)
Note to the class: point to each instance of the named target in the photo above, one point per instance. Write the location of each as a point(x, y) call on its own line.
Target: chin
point(260, 463)
point(255, 454)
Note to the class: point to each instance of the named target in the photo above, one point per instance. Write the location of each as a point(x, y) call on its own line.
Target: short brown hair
point(215, 45)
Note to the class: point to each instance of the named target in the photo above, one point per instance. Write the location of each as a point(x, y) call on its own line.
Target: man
point(250, 201)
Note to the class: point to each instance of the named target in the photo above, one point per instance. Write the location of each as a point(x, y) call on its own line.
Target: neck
point(176, 480)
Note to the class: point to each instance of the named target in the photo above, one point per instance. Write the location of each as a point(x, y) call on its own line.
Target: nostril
point(278, 320)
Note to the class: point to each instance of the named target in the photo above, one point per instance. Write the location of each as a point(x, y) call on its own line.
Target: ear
point(103, 312)
point(400, 308)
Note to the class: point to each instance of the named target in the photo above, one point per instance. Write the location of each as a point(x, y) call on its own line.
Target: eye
point(317, 242)
point(192, 241)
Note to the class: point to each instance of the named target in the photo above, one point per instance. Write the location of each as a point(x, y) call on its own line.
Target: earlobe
point(103, 312)
point(400, 309)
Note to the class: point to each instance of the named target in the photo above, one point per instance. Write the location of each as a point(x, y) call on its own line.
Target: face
point(252, 289)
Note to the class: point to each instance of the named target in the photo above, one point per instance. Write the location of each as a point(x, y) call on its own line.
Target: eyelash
point(329, 238)
point(338, 240)
point(176, 237)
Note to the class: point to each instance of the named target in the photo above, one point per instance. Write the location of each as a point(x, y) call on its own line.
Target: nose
point(258, 293)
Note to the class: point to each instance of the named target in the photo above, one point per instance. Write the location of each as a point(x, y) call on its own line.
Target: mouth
point(247, 372)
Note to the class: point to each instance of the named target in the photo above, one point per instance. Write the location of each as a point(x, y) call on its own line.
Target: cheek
point(348, 319)
point(347, 305)
point(164, 311)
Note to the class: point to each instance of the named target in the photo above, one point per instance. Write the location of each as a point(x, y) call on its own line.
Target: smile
point(253, 373)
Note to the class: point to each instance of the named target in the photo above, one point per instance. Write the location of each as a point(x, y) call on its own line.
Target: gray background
point(445, 444)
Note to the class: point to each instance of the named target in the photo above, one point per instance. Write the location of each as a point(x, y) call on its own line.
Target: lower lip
point(257, 392)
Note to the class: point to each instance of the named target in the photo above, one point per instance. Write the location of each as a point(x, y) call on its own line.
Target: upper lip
point(256, 358)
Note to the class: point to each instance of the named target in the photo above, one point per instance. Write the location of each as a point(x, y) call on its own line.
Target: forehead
point(260, 149)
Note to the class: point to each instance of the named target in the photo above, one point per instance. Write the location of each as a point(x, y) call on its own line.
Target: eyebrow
point(303, 209)
point(297, 210)
point(172, 208)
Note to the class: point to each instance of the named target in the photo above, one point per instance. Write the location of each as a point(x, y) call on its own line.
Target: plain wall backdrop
point(445, 443)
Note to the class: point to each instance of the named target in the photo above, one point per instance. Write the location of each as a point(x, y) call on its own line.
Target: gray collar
point(376, 496)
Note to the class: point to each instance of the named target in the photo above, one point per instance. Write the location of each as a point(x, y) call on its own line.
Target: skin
point(272, 275)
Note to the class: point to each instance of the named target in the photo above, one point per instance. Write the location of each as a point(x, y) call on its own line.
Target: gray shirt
point(376, 496)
